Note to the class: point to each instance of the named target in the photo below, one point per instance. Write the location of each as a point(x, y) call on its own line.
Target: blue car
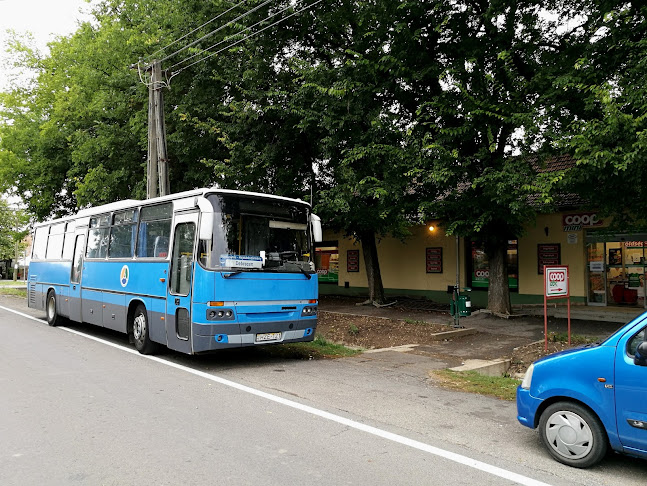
point(589, 399)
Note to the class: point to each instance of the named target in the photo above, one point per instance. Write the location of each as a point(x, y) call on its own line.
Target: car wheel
point(53, 319)
point(141, 334)
point(573, 434)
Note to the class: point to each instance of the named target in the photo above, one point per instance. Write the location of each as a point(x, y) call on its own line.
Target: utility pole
point(157, 179)
point(15, 264)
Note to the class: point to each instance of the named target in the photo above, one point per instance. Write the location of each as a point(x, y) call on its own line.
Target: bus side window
point(122, 235)
point(154, 231)
point(98, 237)
point(40, 243)
point(77, 263)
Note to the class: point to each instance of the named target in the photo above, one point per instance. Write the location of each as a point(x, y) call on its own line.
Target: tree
point(499, 98)
point(77, 136)
point(13, 229)
point(610, 142)
point(325, 100)
point(362, 71)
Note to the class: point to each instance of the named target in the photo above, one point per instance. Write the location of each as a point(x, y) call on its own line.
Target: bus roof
point(128, 203)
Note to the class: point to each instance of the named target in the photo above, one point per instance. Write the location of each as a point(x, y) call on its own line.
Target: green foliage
point(319, 348)
point(610, 139)
point(13, 229)
point(386, 112)
point(14, 292)
point(502, 387)
point(562, 337)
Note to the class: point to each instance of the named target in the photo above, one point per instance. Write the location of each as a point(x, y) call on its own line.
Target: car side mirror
point(640, 358)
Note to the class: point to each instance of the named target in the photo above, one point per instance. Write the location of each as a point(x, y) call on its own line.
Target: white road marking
point(452, 456)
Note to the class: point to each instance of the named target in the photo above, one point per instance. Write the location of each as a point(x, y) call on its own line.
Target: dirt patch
point(376, 332)
point(523, 356)
point(372, 332)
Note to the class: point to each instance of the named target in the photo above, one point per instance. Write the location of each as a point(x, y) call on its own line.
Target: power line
point(245, 38)
point(217, 30)
point(198, 28)
point(230, 37)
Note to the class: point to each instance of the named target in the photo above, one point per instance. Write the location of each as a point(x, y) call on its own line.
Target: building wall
point(572, 254)
point(403, 263)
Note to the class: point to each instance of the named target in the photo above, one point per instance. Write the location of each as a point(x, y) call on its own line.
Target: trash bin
point(464, 305)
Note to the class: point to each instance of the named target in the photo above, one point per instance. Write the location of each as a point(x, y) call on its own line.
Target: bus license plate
point(268, 336)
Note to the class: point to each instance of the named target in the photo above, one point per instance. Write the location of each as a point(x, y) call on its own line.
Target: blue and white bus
point(196, 271)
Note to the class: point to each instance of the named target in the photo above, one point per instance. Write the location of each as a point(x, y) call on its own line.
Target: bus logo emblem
point(124, 275)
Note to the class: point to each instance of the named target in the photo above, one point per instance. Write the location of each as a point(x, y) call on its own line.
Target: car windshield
point(255, 234)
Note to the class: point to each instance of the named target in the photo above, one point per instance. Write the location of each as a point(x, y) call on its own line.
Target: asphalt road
point(89, 410)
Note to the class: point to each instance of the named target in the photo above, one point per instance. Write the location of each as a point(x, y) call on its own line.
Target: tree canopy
point(386, 112)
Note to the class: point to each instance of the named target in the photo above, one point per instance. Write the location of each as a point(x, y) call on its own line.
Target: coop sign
point(575, 222)
point(556, 281)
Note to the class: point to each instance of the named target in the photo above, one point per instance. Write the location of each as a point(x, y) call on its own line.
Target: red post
point(568, 298)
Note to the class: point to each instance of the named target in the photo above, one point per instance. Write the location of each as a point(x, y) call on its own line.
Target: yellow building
point(603, 269)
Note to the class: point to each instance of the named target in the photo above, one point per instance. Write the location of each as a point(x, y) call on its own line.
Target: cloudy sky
point(45, 19)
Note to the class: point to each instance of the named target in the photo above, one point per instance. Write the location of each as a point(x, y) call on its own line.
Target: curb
point(496, 367)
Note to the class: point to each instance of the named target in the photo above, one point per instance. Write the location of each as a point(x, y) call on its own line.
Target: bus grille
point(32, 295)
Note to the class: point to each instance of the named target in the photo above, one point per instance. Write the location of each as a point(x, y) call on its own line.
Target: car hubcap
point(569, 435)
point(139, 327)
point(51, 309)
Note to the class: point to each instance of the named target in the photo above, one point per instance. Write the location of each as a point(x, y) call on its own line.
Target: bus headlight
point(527, 378)
point(220, 314)
point(309, 311)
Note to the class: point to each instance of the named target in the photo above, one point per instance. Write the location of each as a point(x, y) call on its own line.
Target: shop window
point(480, 267)
point(327, 262)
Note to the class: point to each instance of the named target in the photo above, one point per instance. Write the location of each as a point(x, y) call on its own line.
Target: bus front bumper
point(222, 336)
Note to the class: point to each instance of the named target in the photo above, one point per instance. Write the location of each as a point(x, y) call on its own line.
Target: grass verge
point(502, 387)
point(320, 348)
point(11, 282)
point(14, 292)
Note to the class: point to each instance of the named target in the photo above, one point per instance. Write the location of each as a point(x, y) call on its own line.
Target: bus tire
point(53, 319)
point(141, 334)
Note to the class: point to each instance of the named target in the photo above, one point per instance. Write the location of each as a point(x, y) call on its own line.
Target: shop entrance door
point(616, 271)
point(597, 276)
point(625, 273)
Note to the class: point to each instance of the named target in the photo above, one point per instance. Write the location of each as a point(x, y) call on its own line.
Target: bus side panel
point(157, 326)
point(116, 284)
point(44, 276)
point(114, 311)
point(92, 307)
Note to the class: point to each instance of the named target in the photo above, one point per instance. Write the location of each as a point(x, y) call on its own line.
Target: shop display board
point(548, 254)
point(556, 286)
point(352, 261)
point(434, 259)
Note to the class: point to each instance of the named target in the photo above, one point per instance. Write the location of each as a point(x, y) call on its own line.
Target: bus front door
point(178, 306)
point(76, 274)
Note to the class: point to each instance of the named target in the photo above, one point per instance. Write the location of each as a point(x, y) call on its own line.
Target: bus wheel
point(53, 319)
point(143, 342)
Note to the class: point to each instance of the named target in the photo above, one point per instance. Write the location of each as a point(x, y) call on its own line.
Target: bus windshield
point(256, 234)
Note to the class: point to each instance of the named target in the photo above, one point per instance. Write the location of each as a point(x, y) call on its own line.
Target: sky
point(45, 19)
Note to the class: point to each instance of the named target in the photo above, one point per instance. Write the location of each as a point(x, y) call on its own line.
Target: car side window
point(633, 343)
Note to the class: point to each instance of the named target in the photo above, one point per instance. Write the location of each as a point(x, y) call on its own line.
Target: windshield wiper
point(304, 272)
point(229, 275)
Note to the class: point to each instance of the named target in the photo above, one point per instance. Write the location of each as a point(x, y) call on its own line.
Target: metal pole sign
point(556, 286)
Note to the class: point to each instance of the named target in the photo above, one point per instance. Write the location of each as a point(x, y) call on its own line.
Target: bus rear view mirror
point(206, 220)
point(315, 222)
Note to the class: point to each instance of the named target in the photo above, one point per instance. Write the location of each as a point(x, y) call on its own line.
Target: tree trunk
point(373, 275)
point(498, 291)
